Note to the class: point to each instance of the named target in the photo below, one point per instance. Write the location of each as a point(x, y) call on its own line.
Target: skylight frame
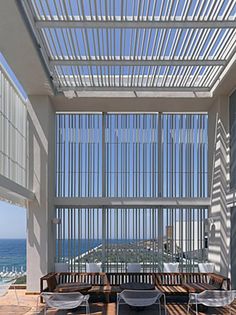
point(89, 52)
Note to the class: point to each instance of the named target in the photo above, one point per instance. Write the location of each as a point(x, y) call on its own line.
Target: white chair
point(212, 298)
point(93, 267)
point(5, 286)
point(65, 301)
point(141, 298)
point(206, 267)
point(133, 267)
point(171, 267)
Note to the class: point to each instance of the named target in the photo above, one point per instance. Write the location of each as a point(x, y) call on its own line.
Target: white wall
point(219, 159)
point(40, 236)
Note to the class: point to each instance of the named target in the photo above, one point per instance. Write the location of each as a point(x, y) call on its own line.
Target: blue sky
point(13, 221)
point(13, 218)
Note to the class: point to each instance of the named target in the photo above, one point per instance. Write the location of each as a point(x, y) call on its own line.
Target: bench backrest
point(82, 277)
point(115, 279)
point(190, 277)
point(163, 278)
point(166, 278)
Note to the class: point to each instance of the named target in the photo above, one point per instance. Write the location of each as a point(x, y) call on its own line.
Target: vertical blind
point(117, 236)
point(13, 131)
point(143, 155)
point(131, 155)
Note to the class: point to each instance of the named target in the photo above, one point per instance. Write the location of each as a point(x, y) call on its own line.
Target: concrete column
point(219, 214)
point(40, 233)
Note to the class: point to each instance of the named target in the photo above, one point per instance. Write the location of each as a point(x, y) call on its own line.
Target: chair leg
point(188, 309)
point(87, 308)
point(117, 308)
point(17, 299)
point(37, 304)
point(159, 306)
point(164, 300)
point(107, 297)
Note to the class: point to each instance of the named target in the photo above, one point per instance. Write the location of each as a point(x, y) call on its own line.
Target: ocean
point(12, 254)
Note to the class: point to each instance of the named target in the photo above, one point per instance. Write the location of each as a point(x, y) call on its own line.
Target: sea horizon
point(13, 251)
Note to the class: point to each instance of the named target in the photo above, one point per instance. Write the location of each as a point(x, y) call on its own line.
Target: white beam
point(133, 88)
point(12, 188)
point(135, 24)
point(125, 62)
point(132, 202)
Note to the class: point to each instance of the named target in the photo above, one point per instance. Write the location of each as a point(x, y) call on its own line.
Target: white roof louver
point(134, 45)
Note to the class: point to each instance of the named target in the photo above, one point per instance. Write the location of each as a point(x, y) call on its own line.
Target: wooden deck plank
point(172, 309)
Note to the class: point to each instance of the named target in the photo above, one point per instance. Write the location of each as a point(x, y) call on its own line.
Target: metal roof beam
point(132, 88)
point(159, 62)
point(183, 24)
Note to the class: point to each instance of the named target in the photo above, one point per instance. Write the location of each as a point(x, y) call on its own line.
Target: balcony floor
point(8, 306)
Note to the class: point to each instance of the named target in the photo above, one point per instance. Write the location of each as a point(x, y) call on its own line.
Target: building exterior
point(128, 129)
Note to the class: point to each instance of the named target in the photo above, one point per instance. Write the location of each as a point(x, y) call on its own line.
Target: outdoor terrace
point(151, 169)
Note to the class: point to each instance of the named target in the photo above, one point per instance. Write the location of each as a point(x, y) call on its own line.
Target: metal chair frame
point(198, 298)
point(50, 297)
point(122, 300)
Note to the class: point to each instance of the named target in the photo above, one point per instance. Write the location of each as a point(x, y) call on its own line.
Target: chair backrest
point(216, 298)
point(206, 267)
point(133, 267)
point(4, 287)
point(140, 297)
point(63, 300)
point(93, 267)
point(171, 267)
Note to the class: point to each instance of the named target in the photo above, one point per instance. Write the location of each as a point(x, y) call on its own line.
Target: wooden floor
point(172, 309)
point(8, 306)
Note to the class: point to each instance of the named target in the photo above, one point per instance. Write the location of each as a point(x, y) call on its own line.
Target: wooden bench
point(184, 283)
point(108, 284)
point(170, 283)
point(52, 281)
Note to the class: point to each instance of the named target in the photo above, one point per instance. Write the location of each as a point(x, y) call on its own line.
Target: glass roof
point(134, 44)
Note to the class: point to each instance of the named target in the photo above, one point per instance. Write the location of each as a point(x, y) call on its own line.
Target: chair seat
point(139, 302)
